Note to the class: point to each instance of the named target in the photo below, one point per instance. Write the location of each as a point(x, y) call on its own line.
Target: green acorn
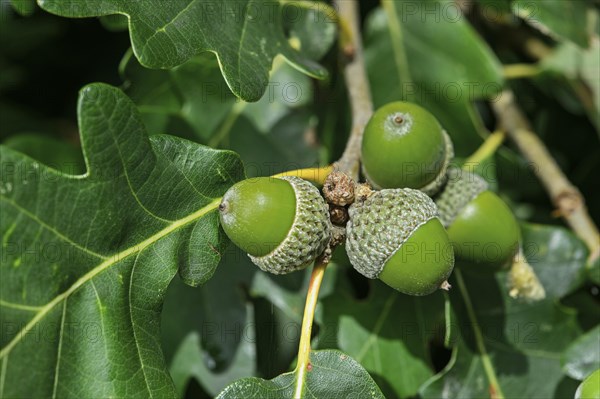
point(395, 235)
point(590, 387)
point(481, 227)
point(404, 146)
point(282, 223)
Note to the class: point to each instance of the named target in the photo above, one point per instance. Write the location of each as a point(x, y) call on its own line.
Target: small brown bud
point(363, 191)
point(339, 189)
point(338, 215)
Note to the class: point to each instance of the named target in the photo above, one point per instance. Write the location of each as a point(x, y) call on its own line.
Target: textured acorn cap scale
point(436, 184)
point(462, 187)
point(308, 236)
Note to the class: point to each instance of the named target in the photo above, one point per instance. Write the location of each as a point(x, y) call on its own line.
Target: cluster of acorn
point(406, 232)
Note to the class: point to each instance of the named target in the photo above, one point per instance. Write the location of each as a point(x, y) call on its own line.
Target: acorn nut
point(282, 223)
point(395, 235)
point(404, 146)
point(482, 228)
point(590, 387)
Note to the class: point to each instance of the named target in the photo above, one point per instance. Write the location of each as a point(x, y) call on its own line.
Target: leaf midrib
point(104, 266)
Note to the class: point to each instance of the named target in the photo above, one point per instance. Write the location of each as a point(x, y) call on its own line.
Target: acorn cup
point(404, 146)
point(394, 235)
point(282, 223)
point(481, 227)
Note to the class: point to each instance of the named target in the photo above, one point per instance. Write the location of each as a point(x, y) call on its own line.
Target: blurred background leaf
point(583, 356)
point(557, 18)
point(276, 133)
point(557, 256)
point(60, 155)
point(23, 7)
point(218, 311)
point(189, 361)
point(524, 342)
point(578, 65)
point(388, 333)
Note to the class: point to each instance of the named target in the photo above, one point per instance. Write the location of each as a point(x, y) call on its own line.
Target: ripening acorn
point(282, 223)
point(395, 236)
point(590, 387)
point(404, 146)
point(482, 228)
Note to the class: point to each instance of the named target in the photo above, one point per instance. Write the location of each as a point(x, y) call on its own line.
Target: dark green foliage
point(115, 277)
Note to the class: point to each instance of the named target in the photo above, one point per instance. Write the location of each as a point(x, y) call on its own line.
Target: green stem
point(487, 363)
point(521, 71)
point(487, 149)
point(307, 322)
point(315, 175)
point(397, 44)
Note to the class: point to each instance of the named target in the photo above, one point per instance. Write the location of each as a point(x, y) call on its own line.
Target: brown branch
point(357, 83)
point(563, 194)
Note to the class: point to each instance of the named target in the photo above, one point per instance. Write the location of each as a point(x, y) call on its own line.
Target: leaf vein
point(3, 375)
point(164, 27)
point(377, 327)
point(51, 229)
point(133, 327)
point(58, 355)
point(18, 306)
